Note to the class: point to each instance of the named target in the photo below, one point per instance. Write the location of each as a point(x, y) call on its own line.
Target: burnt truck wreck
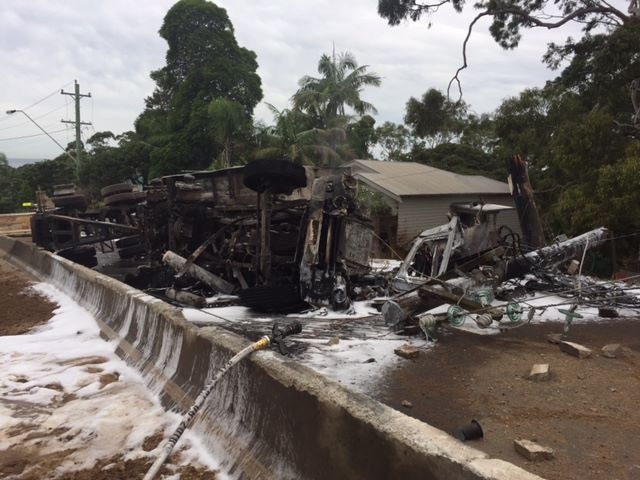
point(277, 234)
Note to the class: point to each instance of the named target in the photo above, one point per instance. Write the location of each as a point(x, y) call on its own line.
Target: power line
point(35, 118)
point(39, 101)
point(31, 136)
point(48, 96)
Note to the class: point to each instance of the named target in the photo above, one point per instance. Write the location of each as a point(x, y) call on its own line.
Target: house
point(418, 197)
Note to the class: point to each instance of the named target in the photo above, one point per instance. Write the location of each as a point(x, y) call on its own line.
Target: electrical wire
point(31, 136)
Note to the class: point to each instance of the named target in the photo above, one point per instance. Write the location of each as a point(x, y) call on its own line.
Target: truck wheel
point(116, 188)
point(273, 298)
point(275, 174)
point(77, 201)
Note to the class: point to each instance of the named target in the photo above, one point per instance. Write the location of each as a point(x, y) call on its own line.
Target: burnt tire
point(116, 188)
point(77, 201)
point(273, 298)
point(275, 174)
point(128, 241)
point(78, 254)
point(130, 252)
point(122, 198)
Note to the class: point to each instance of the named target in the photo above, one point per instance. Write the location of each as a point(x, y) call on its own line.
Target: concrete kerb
point(270, 417)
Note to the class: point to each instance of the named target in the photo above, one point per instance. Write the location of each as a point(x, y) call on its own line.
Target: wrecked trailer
point(277, 234)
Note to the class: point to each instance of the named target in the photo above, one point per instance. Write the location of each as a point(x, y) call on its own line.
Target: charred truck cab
point(279, 233)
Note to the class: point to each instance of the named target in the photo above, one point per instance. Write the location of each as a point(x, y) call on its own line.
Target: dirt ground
point(21, 310)
point(588, 412)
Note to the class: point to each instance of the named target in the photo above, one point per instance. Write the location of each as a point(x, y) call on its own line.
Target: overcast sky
point(110, 46)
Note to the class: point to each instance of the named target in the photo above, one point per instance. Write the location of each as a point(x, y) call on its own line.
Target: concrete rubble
point(575, 349)
point(613, 350)
point(532, 451)
point(539, 372)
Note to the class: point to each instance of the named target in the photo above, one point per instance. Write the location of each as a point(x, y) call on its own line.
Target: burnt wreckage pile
point(281, 237)
point(273, 232)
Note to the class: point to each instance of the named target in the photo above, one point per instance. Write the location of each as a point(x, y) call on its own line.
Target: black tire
point(78, 254)
point(118, 198)
point(275, 174)
point(61, 192)
point(128, 241)
point(130, 252)
point(77, 201)
point(116, 188)
point(276, 298)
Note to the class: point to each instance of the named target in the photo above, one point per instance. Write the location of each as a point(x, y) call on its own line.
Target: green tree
point(230, 121)
point(435, 118)
point(361, 136)
point(394, 141)
point(509, 17)
point(203, 62)
point(293, 137)
point(462, 159)
point(8, 199)
point(341, 81)
point(43, 175)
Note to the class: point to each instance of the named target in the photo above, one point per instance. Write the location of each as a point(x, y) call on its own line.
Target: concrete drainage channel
point(268, 418)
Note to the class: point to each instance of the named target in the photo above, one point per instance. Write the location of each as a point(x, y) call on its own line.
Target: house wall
point(416, 214)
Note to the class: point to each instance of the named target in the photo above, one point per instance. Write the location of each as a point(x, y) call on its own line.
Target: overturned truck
point(278, 234)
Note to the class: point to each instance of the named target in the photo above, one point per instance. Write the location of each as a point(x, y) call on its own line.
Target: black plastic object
point(280, 332)
point(275, 174)
point(470, 431)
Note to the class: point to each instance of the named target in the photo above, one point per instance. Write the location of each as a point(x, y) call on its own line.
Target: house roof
point(402, 179)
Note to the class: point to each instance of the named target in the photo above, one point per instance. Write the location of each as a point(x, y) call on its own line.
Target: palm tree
point(339, 86)
point(294, 137)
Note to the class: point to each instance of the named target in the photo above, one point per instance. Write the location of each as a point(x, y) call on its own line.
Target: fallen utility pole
point(522, 193)
point(436, 292)
point(178, 263)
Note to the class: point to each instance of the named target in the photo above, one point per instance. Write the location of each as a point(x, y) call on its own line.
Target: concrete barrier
point(270, 418)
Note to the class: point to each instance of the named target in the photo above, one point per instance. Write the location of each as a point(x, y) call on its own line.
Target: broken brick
point(532, 451)
point(575, 349)
point(539, 372)
point(407, 351)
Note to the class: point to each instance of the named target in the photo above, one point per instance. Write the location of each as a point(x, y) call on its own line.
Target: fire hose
point(277, 337)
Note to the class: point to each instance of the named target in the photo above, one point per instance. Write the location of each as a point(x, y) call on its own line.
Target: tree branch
point(534, 21)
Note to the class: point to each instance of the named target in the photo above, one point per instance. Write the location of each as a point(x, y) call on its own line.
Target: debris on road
point(612, 350)
point(470, 431)
point(532, 451)
point(575, 349)
point(539, 372)
point(407, 404)
point(407, 351)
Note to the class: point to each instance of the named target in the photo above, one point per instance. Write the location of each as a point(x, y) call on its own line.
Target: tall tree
point(203, 62)
point(435, 118)
point(394, 141)
point(339, 86)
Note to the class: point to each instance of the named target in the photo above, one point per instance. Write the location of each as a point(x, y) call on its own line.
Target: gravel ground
point(588, 411)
